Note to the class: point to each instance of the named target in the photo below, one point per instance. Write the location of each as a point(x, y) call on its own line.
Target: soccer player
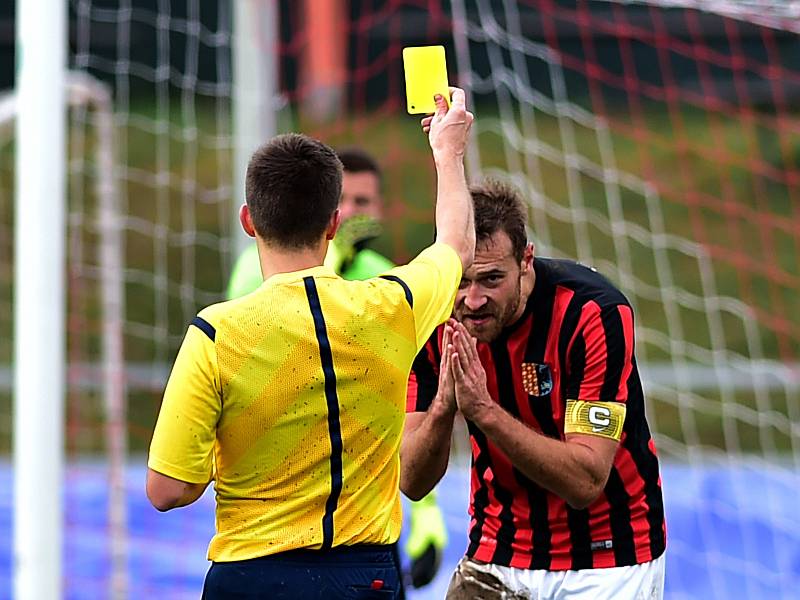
point(291, 398)
point(361, 210)
point(566, 495)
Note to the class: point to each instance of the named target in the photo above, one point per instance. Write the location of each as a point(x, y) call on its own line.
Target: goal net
point(149, 172)
point(656, 141)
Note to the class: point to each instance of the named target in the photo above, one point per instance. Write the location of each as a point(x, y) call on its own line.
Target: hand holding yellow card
point(426, 76)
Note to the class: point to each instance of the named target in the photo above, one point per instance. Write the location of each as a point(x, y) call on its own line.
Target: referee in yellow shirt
point(291, 398)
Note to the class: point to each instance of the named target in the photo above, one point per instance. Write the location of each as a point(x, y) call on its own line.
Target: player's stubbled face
point(489, 294)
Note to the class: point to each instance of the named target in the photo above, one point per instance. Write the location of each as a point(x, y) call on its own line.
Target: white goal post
point(39, 354)
point(38, 109)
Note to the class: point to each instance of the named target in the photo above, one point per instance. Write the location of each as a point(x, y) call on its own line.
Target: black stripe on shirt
point(619, 516)
point(433, 342)
point(205, 327)
point(543, 300)
point(578, 520)
point(480, 498)
point(569, 324)
point(483, 464)
point(542, 406)
point(637, 442)
point(581, 538)
point(334, 426)
point(577, 368)
point(540, 522)
point(427, 379)
point(615, 353)
point(504, 552)
point(406, 289)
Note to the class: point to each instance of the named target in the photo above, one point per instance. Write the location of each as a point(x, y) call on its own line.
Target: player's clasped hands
point(448, 128)
point(447, 392)
point(466, 371)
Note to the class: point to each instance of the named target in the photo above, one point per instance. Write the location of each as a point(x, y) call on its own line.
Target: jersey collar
point(294, 276)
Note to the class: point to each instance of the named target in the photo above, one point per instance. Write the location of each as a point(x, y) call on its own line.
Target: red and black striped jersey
point(573, 341)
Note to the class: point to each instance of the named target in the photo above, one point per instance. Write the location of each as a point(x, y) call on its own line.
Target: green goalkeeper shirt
point(246, 276)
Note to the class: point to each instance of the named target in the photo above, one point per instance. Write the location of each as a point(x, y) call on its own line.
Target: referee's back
point(310, 372)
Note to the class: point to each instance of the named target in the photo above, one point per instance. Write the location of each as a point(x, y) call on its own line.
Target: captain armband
point(604, 419)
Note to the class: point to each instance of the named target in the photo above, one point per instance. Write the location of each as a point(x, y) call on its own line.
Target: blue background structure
point(717, 548)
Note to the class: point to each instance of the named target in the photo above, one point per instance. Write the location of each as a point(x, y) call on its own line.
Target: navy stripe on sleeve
point(205, 327)
point(332, 399)
point(406, 289)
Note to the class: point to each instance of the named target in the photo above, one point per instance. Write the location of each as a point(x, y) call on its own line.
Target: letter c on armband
point(604, 419)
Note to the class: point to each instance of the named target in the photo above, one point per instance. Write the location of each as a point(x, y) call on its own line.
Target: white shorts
point(473, 580)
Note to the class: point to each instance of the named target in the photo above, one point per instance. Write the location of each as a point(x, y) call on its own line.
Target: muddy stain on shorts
point(471, 582)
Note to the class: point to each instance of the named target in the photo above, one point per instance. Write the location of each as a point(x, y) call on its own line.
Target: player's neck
point(277, 259)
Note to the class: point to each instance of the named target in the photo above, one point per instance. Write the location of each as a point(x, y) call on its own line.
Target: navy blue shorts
point(348, 572)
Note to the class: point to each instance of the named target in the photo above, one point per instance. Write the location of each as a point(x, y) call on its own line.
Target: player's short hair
point(499, 207)
point(292, 188)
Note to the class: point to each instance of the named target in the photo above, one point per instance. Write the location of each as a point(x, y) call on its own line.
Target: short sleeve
point(601, 355)
point(431, 281)
point(183, 440)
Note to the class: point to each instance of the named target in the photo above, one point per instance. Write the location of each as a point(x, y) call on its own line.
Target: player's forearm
point(425, 452)
point(569, 470)
point(454, 213)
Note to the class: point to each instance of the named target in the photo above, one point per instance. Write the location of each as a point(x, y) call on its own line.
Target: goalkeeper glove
point(426, 540)
point(351, 233)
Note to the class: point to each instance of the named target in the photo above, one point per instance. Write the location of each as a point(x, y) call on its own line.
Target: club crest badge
point(536, 379)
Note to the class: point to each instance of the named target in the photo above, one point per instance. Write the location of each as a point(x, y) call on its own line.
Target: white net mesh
point(170, 67)
point(149, 207)
point(780, 14)
point(657, 141)
point(587, 205)
point(660, 147)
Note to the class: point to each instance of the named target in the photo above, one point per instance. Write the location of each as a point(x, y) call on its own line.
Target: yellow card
point(426, 75)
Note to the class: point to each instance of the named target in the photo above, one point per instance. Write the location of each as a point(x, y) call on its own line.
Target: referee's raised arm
point(448, 130)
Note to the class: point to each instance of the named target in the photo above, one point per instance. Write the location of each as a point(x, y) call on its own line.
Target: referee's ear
point(247, 221)
point(333, 225)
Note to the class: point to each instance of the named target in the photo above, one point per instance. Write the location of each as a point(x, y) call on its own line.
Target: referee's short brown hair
point(292, 188)
point(499, 207)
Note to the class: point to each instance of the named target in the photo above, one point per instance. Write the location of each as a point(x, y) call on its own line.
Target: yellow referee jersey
point(292, 399)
